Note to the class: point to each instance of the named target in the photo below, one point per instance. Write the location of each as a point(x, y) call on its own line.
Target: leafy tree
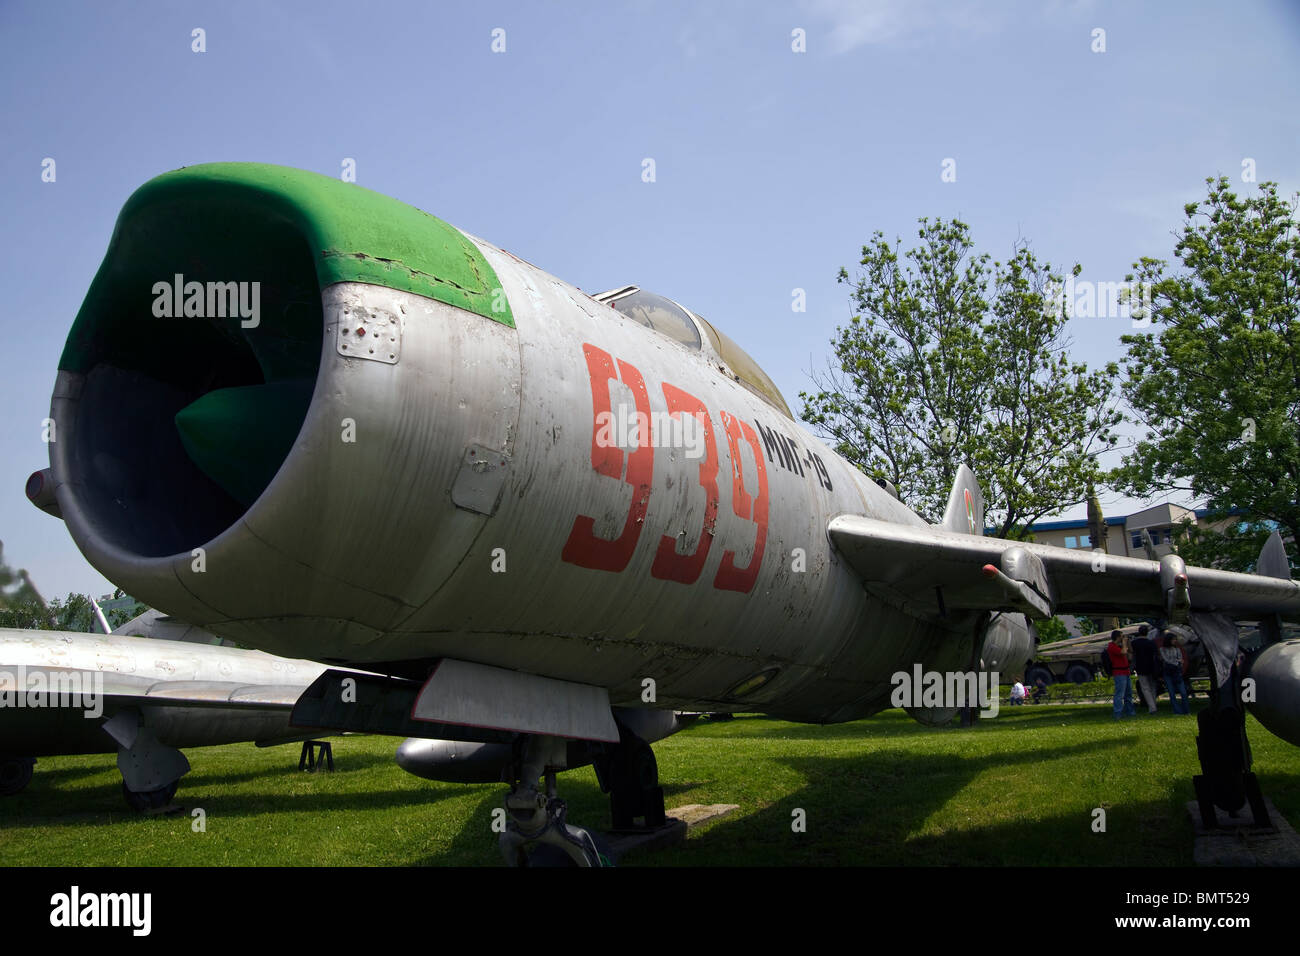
point(75, 613)
point(1051, 630)
point(1086, 625)
point(20, 603)
point(25, 613)
point(1235, 548)
point(956, 358)
point(1055, 629)
point(1216, 383)
point(22, 606)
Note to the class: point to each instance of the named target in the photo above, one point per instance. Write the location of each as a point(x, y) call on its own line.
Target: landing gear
point(630, 775)
point(150, 769)
point(1226, 780)
point(15, 774)
point(537, 833)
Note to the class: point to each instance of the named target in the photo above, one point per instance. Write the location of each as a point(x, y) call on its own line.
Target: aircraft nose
point(266, 399)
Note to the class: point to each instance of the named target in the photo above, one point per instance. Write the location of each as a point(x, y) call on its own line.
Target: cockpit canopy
point(691, 330)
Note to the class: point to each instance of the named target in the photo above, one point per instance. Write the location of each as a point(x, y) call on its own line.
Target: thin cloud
point(855, 24)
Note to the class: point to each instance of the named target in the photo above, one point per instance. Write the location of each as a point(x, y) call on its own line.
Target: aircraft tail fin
point(1273, 560)
point(965, 511)
point(1272, 563)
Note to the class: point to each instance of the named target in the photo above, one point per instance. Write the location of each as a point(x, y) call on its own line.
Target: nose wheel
point(537, 832)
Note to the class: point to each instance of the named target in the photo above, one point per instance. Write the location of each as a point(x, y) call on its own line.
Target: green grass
point(1018, 790)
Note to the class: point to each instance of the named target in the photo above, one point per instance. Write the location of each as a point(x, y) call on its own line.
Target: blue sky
point(772, 167)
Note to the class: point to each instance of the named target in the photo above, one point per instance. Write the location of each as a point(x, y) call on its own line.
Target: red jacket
point(1118, 660)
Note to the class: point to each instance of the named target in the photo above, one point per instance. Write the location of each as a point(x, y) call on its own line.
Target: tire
point(549, 856)
point(140, 801)
point(15, 774)
point(1078, 674)
point(1037, 671)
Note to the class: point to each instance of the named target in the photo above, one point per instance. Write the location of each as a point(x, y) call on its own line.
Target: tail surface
point(965, 511)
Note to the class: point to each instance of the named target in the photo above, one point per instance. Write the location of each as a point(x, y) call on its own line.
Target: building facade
point(1124, 534)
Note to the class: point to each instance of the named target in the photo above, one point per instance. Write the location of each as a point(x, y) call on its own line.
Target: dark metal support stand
point(310, 762)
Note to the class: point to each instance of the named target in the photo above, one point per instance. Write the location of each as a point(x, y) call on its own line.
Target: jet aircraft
point(318, 421)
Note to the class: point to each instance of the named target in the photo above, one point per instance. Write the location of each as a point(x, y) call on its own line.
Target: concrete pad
point(696, 814)
point(680, 821)
point(1236, 841)
point(623, 842)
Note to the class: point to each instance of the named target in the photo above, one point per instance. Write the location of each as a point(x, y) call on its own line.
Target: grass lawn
point(1019, 789)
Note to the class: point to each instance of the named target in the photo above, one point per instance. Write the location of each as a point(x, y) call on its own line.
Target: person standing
point(1171, 656)
point(1144, 663)
point(1119, 670)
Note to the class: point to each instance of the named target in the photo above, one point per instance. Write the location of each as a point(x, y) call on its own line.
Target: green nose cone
point(239, 437)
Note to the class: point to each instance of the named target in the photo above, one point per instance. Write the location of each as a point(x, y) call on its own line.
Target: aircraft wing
point(227, 694)
point(196, 694)
point(930, 570)
point(132, 690)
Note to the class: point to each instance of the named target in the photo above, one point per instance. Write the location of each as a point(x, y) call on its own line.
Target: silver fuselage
point(450, 499)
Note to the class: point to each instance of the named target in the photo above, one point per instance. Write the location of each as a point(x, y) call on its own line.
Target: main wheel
point(15, 774)
point(143, 800)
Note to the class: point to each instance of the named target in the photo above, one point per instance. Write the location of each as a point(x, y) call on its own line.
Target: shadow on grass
point(344, 763)
point(244, 804)
point(862, 810)
point(474, 844)
point(48, 803)
point(901, 803)
point(55, 779)
point(879, 809)
point(65, 776)
point(896, 723)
